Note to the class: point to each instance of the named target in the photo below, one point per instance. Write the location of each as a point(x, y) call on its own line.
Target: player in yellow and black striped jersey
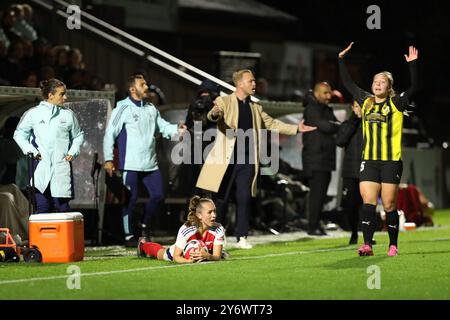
point(381, 166)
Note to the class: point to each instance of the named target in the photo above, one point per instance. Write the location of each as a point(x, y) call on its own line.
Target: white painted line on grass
point(104, 273)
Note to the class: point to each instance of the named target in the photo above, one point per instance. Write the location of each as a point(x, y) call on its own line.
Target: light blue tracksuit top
point(53, 132)
point(134, 128)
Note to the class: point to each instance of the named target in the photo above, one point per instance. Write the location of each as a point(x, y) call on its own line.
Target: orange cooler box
point(58, 236)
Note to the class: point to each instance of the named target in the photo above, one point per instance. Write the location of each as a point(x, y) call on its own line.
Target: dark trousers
point(153, 183)
point(351, 202)
point(238, 181)
point(318, 185)
point(46, 203)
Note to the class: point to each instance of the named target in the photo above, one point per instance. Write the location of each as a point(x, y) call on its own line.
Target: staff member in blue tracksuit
point(51, 132)
point(133, 124)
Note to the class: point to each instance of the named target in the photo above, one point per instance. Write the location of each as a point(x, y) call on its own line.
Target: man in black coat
point(319, 151)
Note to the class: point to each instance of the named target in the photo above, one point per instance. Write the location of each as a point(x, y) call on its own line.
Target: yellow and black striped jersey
point(382, 123)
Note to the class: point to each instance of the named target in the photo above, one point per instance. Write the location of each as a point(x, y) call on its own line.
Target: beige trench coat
point(217, 161)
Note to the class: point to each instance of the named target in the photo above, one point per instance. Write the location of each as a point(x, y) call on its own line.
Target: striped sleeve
point(219, 239)
point(113, 129)
point(184, 234)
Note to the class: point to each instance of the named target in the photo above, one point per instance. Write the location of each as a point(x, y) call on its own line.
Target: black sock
point(393, 224)
point(368, 220)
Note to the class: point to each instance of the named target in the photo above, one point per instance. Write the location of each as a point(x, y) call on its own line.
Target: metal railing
point(136, 46)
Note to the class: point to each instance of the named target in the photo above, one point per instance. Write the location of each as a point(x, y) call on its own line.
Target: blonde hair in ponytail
point(195, 204)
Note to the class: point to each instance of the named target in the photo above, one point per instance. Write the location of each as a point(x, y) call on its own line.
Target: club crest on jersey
point(136, 117)
point(386, 109)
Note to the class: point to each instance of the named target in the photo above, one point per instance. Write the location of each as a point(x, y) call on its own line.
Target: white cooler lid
point(53, 217)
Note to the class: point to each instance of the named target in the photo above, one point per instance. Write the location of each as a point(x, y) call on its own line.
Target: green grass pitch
point(303, 269)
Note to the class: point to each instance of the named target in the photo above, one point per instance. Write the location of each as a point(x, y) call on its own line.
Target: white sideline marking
point(187, 265)
point(167, 267)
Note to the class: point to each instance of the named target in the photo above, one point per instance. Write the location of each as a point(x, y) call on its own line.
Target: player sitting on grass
point(200, 225)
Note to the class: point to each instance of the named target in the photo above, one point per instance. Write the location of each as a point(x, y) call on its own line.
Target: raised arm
point(403, 99)
point(412, 58)
point(358, 94)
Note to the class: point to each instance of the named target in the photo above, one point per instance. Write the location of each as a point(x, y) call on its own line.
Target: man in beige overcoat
point(233, 162)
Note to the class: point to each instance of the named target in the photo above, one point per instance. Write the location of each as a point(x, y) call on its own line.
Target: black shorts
point(381, 171)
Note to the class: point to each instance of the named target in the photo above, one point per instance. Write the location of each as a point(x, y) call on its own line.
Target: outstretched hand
point(302, 127)
point(413, 54)
point(344, 52)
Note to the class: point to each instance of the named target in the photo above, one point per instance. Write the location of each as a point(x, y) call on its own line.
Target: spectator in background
point(28, 14)
point(75, 59)
point(3, 55)
point(13, 164)
point(46, 73)
point(12, 68)
point(30, 80)
point(156, 96)
point(350, 137)
point(75, 65)
point(319, 152)
point(62, 62)
point(9, 151)
point(22, 24)
point(262, 87)
point(28, 54)
point(9, 18)
point(97, 84)
point(50, 56)
point(3, 48)
point(77, 80)
point(197, 114)
point(4, 43)
point(41, 46)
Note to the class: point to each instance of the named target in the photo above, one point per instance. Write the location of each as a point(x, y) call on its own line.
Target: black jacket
point(319, 146)
point(350, 137)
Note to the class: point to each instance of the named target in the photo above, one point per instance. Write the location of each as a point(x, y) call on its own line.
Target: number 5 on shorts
point(361, 168)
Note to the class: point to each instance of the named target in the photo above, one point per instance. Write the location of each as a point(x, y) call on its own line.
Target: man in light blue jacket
point(51, 133)
point(133, 125)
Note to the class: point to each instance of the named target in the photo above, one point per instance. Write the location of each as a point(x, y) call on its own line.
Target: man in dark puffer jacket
point(319, 151)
